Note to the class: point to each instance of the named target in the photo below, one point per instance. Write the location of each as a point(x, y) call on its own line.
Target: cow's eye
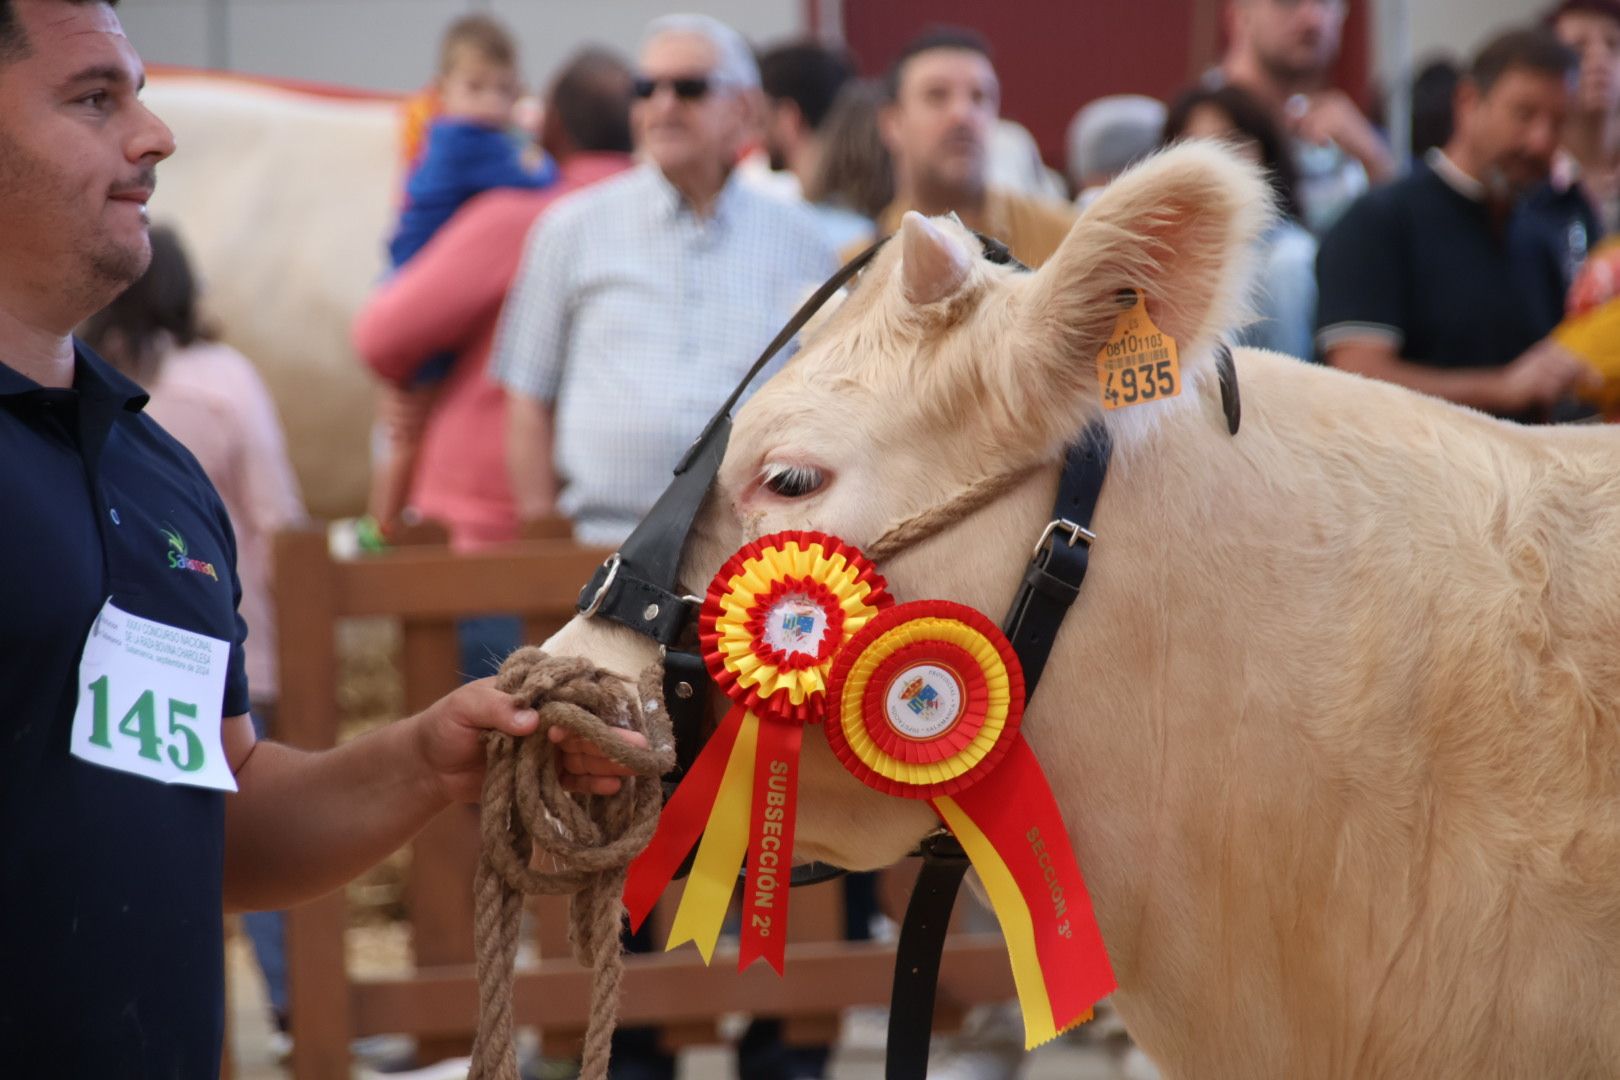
point(790, 481)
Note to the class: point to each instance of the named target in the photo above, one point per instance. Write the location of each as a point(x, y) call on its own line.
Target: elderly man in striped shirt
point(642, 301)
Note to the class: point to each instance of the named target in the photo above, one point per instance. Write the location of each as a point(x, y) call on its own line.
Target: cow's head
point(943, 368)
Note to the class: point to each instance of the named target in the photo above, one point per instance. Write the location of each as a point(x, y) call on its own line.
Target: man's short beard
point(109, 270)
point(120, 267)
point(932, 184)
point(1290, 74)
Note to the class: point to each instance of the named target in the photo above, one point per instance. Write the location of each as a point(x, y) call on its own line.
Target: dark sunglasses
point(688, 88)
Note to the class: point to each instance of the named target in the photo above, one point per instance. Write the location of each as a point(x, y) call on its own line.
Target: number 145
point(141, 724)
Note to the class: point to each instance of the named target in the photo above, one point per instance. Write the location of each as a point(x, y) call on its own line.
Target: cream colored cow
point(285, 199)
point(1335, 723)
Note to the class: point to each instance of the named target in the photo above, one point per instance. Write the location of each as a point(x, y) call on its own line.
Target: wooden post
point(445, 853)
point(317, 983)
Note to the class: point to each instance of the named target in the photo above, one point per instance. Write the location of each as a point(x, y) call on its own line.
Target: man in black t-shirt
point(1450, 280)
point(135, 803)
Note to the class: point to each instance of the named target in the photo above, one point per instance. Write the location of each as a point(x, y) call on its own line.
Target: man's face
point(1514, 129)
point(1595, 39)
point(1293, 39)
point(78, 153)
point(939, 126)
point(701, 130)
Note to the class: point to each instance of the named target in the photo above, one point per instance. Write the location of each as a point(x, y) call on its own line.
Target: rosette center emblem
point(777, 613)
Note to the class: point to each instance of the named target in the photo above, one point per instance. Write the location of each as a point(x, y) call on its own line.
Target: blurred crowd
point(573, 289)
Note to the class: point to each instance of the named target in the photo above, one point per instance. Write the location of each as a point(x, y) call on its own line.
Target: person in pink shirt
point(448, 299)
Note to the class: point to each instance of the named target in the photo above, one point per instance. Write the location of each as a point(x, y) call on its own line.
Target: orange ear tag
point(1139, 363)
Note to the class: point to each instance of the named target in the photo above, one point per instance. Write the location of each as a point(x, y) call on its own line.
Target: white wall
point(391, 44)
point(1441, 27)
point(1461, 26)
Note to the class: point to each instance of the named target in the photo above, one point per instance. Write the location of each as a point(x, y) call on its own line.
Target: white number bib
point(150, 701)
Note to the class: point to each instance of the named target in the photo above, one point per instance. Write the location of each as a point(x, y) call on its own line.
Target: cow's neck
point(1288, 716)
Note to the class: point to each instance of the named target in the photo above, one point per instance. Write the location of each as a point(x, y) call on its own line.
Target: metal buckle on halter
point(612, 565)
point(1077, 533)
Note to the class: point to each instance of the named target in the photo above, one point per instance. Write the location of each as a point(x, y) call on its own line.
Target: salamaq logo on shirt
point(180, 558)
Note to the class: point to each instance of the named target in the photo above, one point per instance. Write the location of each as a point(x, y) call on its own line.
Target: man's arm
point(1330, 116)
point(439, 300)
point(304, 823)
point(1538, 378)
point(529, 456)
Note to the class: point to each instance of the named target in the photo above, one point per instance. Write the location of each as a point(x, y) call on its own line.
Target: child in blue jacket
point(468, 149)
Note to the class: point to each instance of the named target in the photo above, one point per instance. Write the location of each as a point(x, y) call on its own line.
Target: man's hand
point(1541, 376)
point(585, 767)
point(1330, 116)
point(450, 739)
point(304, 823)
point(450, 735)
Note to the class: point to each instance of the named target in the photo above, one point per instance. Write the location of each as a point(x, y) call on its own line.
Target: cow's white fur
point(1334, 721)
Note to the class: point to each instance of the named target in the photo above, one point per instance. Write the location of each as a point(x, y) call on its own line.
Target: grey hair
point(1113, 133)
point(735, 66)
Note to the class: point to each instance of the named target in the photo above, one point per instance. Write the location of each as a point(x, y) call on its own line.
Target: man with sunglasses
point(642, 301)
point(639, 305)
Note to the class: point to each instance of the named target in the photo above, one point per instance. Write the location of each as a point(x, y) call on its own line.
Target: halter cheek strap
point(1051, 584)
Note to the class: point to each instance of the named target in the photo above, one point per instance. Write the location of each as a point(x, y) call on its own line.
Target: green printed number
point(140, 724)
point(98, 717)
point(194, 748)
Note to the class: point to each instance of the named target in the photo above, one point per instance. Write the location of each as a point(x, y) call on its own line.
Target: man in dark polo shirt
point(135, 804)
point(1450, 280)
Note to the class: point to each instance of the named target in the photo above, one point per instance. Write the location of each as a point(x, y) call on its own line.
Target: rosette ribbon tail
point(773, 618)
point(720, 854)
point(770, 844)
point(1010, 827)
point(682, 821)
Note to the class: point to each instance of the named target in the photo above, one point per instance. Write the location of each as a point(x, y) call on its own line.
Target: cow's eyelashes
point(790, 481)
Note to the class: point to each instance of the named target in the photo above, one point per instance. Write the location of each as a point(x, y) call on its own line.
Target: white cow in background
point(285, 199)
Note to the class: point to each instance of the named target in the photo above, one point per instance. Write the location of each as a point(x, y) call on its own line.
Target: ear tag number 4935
point(1139, 362)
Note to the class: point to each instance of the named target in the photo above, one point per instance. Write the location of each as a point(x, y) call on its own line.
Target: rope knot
point(586, 840)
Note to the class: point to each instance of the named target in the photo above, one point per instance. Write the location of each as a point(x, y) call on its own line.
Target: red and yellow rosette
point(925, 703)
point(774, 618)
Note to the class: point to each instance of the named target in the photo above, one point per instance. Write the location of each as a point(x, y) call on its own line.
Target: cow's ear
point(933, 266)
point(1180, 228)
